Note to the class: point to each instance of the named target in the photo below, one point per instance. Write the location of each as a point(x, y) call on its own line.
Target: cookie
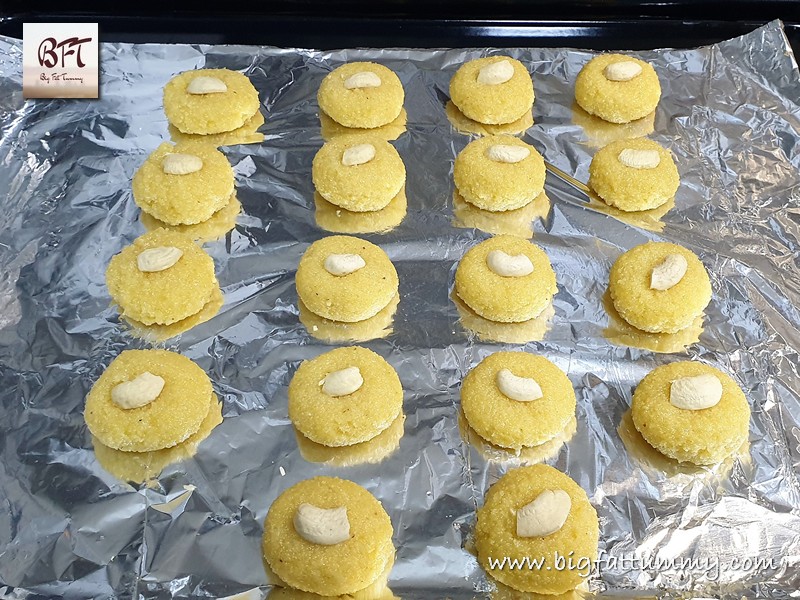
point(634, 175)
point(344, 397)
point(358, 172)
point(697, 435)
point(246, 134)
point(492, 90)
point(517, 399)
point(506, 279)
point(209, 101)
point(163, 296)
point(617, 88)
point(220, 223)
point(340, 567)
point(329, 129)
point(499, 173)
point(183, 184)
point(649, 308)
point(361, 94)
point(125, 409)
point(345, 279)
point(339, 220)
point(497, 535)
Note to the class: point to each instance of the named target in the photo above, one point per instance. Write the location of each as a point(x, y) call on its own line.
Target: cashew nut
point(137, 392)
point(505, 153)
point(545, 515)
point(342, 382)
point(358, 155)
point(343, 264)
point(639, 159)
point(521, 389)
point(624, 70)
point(507, 265)
point(158, 259)
point(669, 272)
point(362, 79)
point(206, 85)
point(324, 526)
point(695, 393)
point(177, 163)
point(496, 73)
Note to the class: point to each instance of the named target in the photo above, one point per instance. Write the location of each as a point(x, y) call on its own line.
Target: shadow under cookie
point(532, 330)
point(389, 132)
point(517, 222)
point(339, 220)
point(463, 124)
point(621, 333)
point(325, 330)
point(161, 333)
point(220, 223)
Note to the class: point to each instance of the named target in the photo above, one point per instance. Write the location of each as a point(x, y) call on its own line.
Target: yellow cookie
point(347, 296)
point(616, 100)
point(658, 310)
point(518, 285)
point(166, 420)
point(193, 107)
point(339, 568)
point(492, 103)
point(165, 296)
point(220, 223)
point(486, 177)
point(187, 198)
point(361, 94)
point(702, 437)
point(364, 186)
point(616, 179)
point(496, 533)
point(339, 220)
point(344, 397)
point(517, 420)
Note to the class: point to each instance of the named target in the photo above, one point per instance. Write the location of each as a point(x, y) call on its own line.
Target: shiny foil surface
point(71, 529)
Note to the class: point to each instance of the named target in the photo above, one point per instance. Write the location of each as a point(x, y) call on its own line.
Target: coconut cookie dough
point(506, 279)
point(492, 90)
point(361, 94)
point(328, 536)
point(358, 172)
point(691, 412)
point(184, 183)
point(634, 175)
point(209, 101)
point(163, 277)
point(537, 512)
point(659, 287)
point(617, 88)
point(499, 173)
point(345, 279)
point(344, 397)
point(148, 400)
point(516, 399)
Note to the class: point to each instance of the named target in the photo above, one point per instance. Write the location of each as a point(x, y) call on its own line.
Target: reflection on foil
point(246, 134)
point(161, 333)
point(600, 133)
point(325, 330)
point(463, 124)
point(389, 132)
point(220, 223)
point(532, 330)
point(339, 220)
point(518, 222)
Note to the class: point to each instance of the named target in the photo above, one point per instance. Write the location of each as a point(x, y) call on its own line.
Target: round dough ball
point(346, 298)
point(184, 199)
point(492, 104)
point(171, 418)
point(210, 113)
point(658, 311)
point(617, 101)
point(350, 419)
point(509, 423)
point(632, 189)
point(359, 188)
point(496, 532)
point(361, 107)
point(498, 186)
point(162, 297)
point(342, 568)
point(505, 299)
point(701, 437)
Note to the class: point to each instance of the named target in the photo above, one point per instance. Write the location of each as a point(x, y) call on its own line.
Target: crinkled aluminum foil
point(69, 529)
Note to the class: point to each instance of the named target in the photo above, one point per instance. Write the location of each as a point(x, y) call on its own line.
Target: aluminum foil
point(70, 529)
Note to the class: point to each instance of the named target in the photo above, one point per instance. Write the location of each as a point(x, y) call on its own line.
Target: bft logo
point(59, 60)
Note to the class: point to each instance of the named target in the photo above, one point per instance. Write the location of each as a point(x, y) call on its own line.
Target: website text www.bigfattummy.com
point(709, 566)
